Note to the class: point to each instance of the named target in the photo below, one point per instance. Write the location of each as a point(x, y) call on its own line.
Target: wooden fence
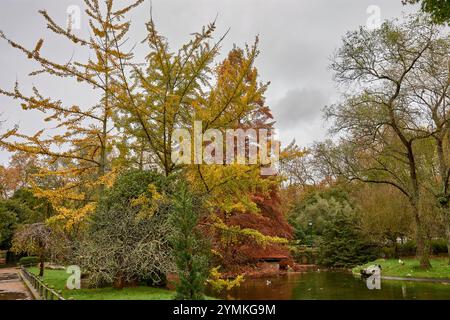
point(43, 291)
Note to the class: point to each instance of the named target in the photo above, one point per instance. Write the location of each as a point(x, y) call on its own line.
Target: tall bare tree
point(380, 125)
point(429, 102)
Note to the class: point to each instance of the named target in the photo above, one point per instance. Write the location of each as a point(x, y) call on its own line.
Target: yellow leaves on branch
point(108, 178)
point(148, 204)
point(98, 32)
point(73, 202)
point(36, 50)
point(70, 218)
point(230, 187)
point(292, 151)
point(125, 10)
point(218, 283)
point(233, 234)
point(72, 207)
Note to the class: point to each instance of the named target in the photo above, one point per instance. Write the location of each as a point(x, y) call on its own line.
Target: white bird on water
point(268, 282)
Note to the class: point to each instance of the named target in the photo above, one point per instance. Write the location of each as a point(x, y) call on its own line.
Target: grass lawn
point(391, 267)
point(58, 278)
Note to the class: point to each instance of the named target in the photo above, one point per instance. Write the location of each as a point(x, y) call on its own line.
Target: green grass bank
point(58, 278)
point(410, 268)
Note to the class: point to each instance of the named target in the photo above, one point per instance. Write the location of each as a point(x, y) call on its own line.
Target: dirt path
point(11, 286)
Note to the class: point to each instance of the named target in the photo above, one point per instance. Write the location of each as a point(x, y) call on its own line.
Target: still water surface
point(315, 285)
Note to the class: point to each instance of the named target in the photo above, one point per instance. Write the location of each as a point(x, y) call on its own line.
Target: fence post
point(45, 292)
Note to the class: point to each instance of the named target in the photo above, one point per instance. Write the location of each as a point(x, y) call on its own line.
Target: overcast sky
point(297, 38)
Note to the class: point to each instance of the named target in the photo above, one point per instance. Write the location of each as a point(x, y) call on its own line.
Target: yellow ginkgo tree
point(78, 151)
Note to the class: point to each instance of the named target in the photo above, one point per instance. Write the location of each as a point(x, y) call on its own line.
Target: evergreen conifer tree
point(190, 249)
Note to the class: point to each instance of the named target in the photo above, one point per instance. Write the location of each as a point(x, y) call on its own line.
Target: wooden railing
point(44, 291)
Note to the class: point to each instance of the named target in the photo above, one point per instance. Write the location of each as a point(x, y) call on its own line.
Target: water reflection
point(335, 286)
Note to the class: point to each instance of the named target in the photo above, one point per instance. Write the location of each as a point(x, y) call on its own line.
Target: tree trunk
point(423, 248)
point(9, 257)
point(422, 241)
point(424, 256)
point(41, 267)
point(119, 282)
point(396, 253)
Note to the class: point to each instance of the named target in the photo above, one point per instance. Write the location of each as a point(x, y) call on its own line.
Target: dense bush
point(8, 221)
point(439, 246)
point(328, 221)
point(133, 184)
point(29, 208)
point(22, 208)
point(128, 239)
point(304, 254)
point(389, 252)
point(407, 249)
point(342, 244)
point(310, 214)
point(28, 261)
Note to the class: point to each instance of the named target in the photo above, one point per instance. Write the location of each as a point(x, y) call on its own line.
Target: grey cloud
point(299, 106)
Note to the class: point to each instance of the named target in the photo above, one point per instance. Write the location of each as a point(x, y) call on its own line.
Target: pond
point(334, 285)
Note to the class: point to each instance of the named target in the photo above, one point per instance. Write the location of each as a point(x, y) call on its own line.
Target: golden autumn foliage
point(79, 155)
point(218, 283)
point(133, 122)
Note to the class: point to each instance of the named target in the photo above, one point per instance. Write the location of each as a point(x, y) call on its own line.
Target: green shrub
point(342, 244)
point(8, 223)
point(407, 249)
point(388, 252)
point(304, 255)
point(127, 241)
point(439, 246)
point(28, 261)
